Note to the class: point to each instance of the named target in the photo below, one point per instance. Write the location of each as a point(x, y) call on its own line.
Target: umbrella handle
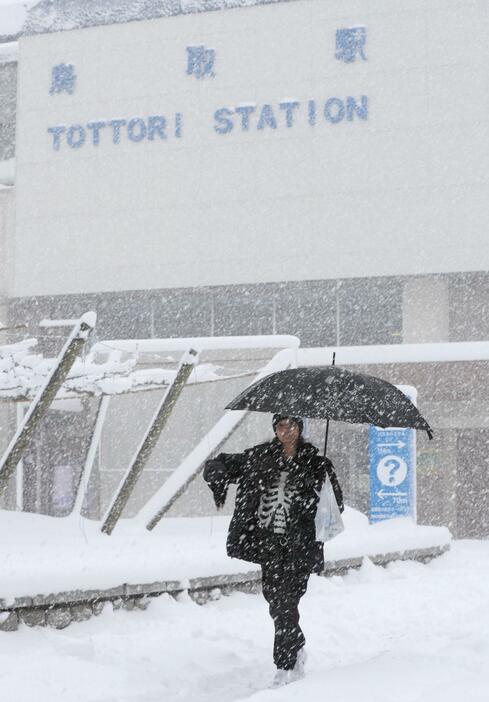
point(327, 421)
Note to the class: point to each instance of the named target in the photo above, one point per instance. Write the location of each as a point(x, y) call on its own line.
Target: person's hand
point(214, 471)
point(215, 476)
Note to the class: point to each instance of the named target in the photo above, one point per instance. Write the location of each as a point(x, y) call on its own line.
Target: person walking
point(278, 487)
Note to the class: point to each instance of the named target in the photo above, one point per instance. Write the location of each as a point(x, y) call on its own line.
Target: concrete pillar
point(425, 310)
point(7, 411)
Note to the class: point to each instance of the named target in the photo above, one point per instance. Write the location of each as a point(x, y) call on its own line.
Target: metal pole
point(91, 454)
point(19, 505)
point(192, 465)
point(45, 396)
point(327, 423)
point(149, 441)
point(154, 521)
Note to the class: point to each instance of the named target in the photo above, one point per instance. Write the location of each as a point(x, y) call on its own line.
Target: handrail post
point(179, 481)
point(81, 488)
point(148, 443)
point(45, 396)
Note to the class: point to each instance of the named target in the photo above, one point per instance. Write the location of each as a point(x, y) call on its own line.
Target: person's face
point(287, 431)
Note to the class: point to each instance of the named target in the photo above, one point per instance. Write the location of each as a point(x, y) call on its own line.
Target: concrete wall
point(399, 189)
point(426, 311)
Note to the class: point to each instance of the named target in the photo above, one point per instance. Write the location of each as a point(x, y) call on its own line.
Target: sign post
point(393, 469)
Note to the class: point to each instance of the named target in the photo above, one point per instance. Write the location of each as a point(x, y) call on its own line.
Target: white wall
point(402, 192)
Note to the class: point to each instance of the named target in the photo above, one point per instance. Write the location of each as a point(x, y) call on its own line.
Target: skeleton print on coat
point(275, 503)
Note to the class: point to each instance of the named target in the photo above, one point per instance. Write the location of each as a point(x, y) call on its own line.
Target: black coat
point(254, 471)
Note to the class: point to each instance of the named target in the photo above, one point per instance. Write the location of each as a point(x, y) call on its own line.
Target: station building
point(296, 167)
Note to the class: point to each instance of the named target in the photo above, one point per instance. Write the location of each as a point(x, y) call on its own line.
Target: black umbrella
point(331, 392)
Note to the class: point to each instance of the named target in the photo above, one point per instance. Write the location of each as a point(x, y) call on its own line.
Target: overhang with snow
point(396, 353)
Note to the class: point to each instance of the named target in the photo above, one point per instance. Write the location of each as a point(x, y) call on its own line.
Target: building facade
point(301, 167)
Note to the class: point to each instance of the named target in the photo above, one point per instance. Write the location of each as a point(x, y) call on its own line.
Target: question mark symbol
point(393, 467)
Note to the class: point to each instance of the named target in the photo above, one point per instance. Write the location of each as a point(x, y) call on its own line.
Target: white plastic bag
point(328, 519)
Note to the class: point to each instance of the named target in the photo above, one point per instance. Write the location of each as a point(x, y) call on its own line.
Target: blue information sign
point(392, 471)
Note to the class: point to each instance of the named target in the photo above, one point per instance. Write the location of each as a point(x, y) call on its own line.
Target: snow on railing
point(111, 368)
point(22, 371)
point(201, 343)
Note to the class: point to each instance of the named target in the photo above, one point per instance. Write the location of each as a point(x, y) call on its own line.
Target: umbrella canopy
point(331, 392)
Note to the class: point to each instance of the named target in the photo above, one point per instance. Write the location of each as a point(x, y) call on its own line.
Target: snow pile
point(381, 538)
point(405, 633)
point(408, 633)
point(22, 372)
point(40, 555)
point(60, 15)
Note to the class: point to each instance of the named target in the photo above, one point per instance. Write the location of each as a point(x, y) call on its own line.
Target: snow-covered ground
point(407, 633)
point(42, 555)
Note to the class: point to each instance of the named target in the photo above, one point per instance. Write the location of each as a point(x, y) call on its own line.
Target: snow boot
point(299, 670)
point(284, 677)
point(281, 677)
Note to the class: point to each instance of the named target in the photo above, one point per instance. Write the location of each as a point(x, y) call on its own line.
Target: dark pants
point(283, 587)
